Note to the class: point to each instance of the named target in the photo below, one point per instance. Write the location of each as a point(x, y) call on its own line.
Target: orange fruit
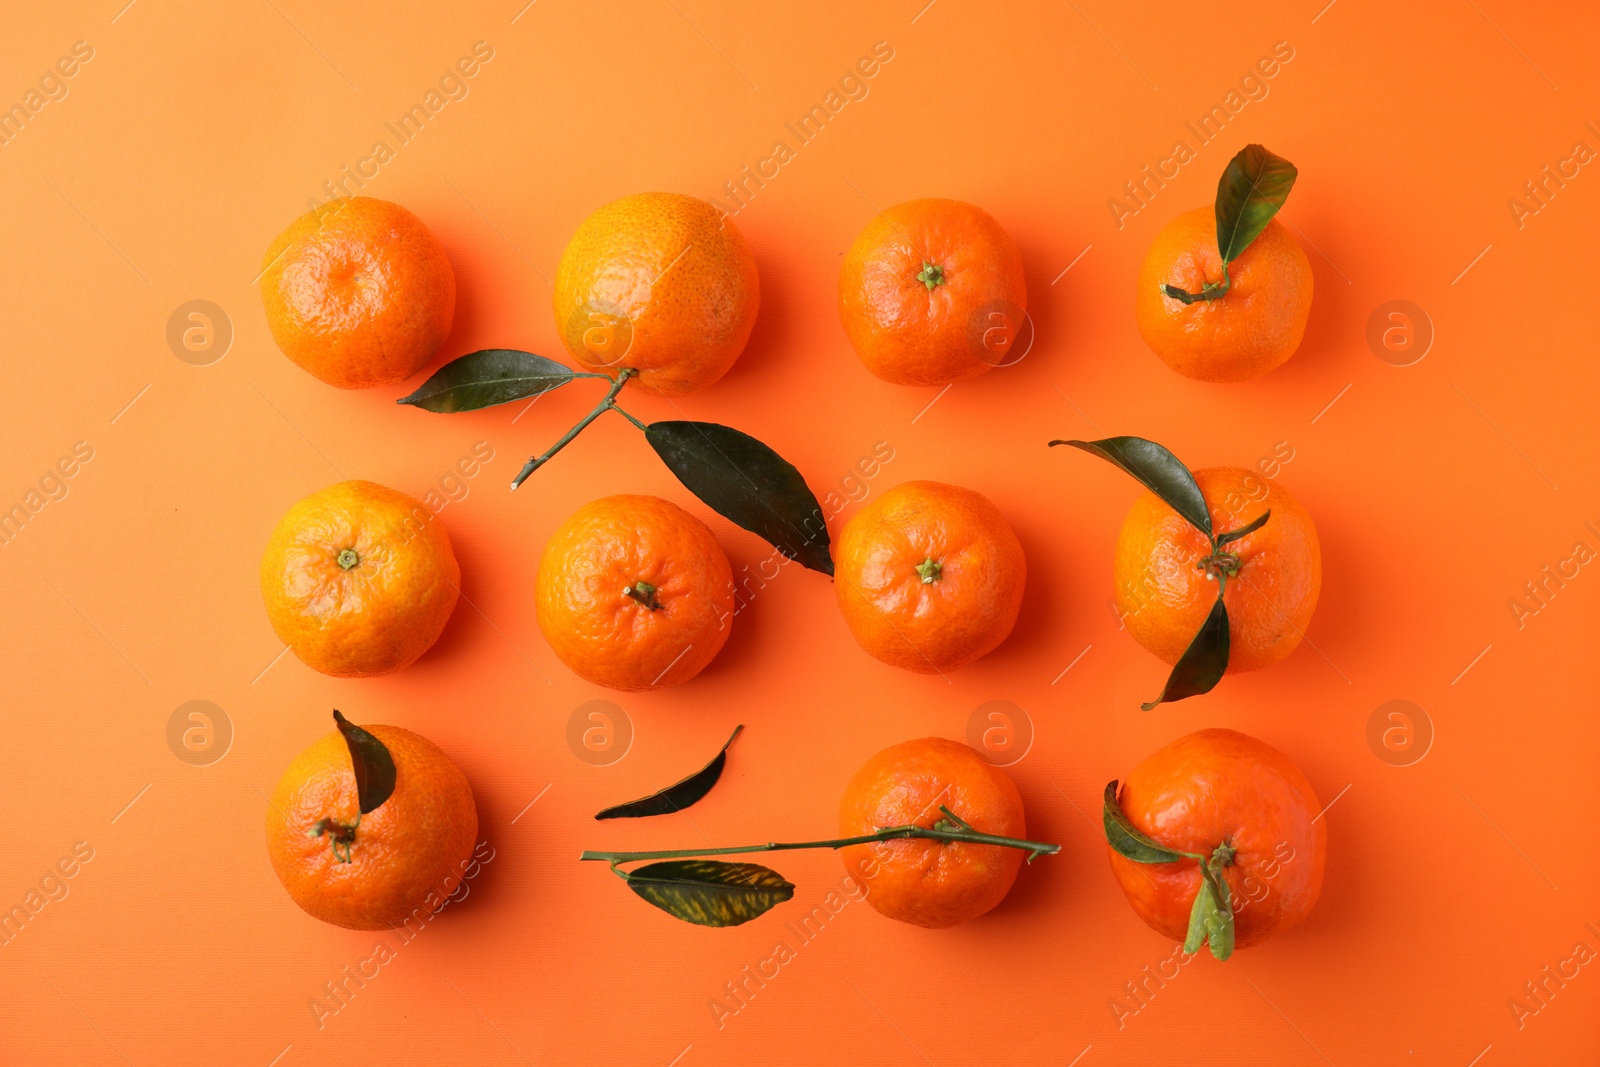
point(358, 292)
point(929, 576)
point(1164, 596)
point(932, 292)
point(662, 283)
point(926, 882)
point(413, 846)
point(634, 593)
point(1221, 788)
point(1249, 330)
point(359, 579)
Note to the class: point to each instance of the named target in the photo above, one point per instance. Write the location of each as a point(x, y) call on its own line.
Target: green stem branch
point(1210, 291)
point(888, 833)
point(536, 462)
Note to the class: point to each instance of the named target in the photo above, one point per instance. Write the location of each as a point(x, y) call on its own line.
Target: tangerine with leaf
point(928, 827)
point(1225, 291)
point(371, 826)
point(1216, 571)
point(1217, 838)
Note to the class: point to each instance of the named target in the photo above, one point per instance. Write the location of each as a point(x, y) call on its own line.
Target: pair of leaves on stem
point(700, 891)
point(1211, 917)
point(1253, 186)
point(733, 473)
point(1204, 662)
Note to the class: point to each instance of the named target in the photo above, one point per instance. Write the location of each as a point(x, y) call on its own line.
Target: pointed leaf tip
point(488, 377)
point(1126, 838)
point(680, 794)
point(371, 761)
point(749, 484)
point(1158, 470)
point(1202, 664)
point(1253, 186)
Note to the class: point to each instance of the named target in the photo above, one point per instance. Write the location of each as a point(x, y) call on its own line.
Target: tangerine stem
point(536, 462)
point(888, 833)
point(1210, 291)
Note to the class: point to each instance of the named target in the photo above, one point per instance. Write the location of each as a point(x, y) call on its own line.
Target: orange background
point(198, 131)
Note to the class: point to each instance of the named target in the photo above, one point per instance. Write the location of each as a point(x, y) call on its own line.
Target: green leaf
point(748, 483)
point(1253, 186)
point(489, 377)
point(677, 796)
point(1126, 838)
point(1202, 664)
point(1204, 904)
point(1160, 471)
point(709, 892)
point(1249, 528)
point(1219, 923)
point(373, 765)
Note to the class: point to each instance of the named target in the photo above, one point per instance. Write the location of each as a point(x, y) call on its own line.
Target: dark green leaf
point(1202, 664)
point(745, 481)
point(678, 796)
point(1126, 838)
point(486, 378)
point(1204, 904)
point(1160, 471)
point(1249, 528)
point(1254, 185)
point(373, 765)
point(709, 892)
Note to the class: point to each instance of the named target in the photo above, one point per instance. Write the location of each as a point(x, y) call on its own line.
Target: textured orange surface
point(934, 884)
point(929, 576)
point(1220, 786)
point(1163, 596)
point(931, 292)
point(381, 611)
point(661, 283)
point(1457, 500)
point(417, 844)
point(635, 642)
